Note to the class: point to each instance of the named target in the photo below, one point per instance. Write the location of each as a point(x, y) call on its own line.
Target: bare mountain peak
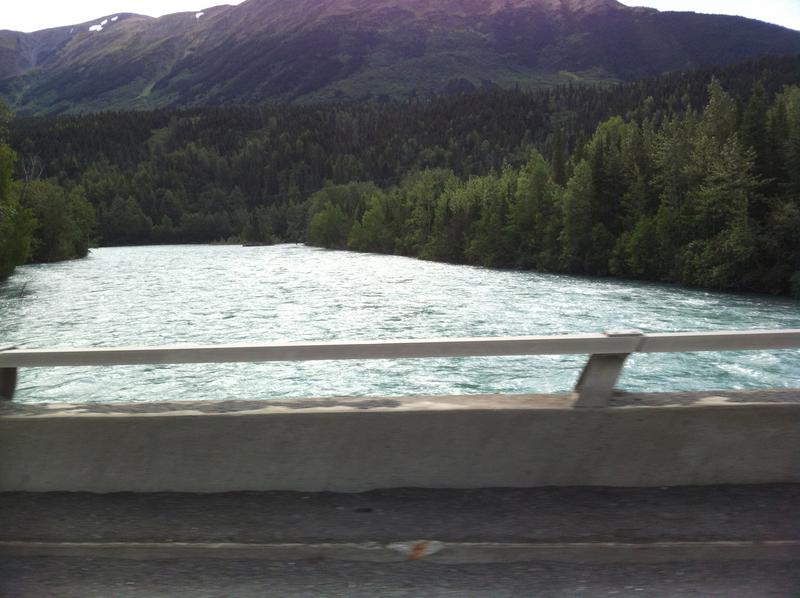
point(288, 14)
point(425, 6)
point(568, 5)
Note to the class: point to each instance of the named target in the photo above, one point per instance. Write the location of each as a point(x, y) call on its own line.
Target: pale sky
point(782, 12)
point(31, 15)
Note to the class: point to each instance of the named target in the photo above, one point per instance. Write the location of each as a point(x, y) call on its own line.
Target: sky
point(32, 15)
point(781, 12)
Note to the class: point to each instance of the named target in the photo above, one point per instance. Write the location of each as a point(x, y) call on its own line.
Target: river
point(206, 294)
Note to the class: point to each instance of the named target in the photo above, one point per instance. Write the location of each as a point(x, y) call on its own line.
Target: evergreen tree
point(576, 235)
point(16, 223)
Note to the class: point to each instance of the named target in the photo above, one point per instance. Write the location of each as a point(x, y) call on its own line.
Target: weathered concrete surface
point(89, 578)
point(353, 445)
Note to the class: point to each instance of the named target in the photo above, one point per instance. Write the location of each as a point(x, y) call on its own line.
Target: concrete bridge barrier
point(353, 445)
point(592, 437)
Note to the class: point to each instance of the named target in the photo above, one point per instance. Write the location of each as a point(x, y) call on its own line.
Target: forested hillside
point(708, 199)
point(357, 50)
point(675, 184)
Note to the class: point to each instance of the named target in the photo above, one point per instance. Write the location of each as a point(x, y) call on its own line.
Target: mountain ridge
point(317, 50)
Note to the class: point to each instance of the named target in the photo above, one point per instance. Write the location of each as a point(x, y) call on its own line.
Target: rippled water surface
point(201, 294)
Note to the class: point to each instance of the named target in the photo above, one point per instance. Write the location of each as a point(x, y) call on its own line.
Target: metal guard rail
point(595, 386)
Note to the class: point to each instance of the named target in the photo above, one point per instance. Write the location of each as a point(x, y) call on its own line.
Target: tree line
point(40, 220)
point(706, 198)
point(266, 174)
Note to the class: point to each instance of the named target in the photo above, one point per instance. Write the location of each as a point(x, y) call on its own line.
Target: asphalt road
point(763, 512)
point(749, 513)
point(82, 578)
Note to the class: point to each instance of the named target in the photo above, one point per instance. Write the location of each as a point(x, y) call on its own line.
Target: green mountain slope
point(308, 50)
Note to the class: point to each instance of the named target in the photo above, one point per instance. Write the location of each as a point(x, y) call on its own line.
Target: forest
point(691, 178)
point(709, 199)
point(40, 220)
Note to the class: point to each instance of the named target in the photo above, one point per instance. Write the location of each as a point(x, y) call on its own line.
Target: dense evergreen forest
point(673, 178)
point(40, 220)
point(15, 224)
point(707, 198)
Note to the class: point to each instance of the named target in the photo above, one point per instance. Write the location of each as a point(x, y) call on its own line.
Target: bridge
point(702, 476)
point(593, 436)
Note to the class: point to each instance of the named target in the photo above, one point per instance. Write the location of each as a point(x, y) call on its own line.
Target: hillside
point(311, 50)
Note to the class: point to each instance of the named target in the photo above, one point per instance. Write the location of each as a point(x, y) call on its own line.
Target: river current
point(212, 295)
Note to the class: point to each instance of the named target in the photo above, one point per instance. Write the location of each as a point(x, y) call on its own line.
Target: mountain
point(310, 50)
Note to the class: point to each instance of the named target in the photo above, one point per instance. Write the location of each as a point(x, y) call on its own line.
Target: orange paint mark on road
point(417, 551)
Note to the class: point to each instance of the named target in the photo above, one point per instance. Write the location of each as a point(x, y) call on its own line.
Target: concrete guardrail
point(591, 437)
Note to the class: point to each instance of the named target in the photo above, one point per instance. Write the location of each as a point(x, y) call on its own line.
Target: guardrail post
point(599, 376)
point(8, 380)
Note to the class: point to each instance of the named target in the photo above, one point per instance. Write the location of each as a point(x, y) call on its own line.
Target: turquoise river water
point(212, 295)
